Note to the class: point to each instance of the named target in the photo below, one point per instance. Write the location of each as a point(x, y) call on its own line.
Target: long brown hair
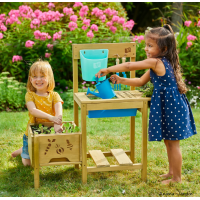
point(44, 68)
point(166, 41)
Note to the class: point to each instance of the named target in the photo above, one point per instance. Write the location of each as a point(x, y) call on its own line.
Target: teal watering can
point(104, 88)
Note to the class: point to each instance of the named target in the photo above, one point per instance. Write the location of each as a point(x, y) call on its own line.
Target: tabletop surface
point(121, 96)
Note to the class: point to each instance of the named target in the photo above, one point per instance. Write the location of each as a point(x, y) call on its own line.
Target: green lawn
point(103, 134)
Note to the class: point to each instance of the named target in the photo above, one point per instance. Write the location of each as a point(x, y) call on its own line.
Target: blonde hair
point(45, 69)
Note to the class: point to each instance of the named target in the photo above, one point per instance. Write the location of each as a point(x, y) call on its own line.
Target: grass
point(103, 134)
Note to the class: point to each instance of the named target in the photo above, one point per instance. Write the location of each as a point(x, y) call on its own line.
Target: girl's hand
point(102, 72)
point(58, 128)
point(115, 79)
point(57, 120)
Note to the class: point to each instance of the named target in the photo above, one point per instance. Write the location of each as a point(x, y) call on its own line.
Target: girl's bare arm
point(137, 82)
point(129, 66)
point(40, 114)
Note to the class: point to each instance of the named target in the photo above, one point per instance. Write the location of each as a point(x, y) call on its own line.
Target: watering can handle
point(97, 79)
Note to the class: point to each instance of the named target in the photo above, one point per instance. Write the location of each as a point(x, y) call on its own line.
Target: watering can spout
point(94, 93)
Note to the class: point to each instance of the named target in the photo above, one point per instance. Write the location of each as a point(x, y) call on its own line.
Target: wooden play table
point(125, 100)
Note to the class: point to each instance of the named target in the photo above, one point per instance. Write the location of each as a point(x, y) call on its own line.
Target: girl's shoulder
point(30, 93)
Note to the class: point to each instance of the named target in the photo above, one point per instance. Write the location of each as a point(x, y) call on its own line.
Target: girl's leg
point(26, 162)
point(17, 152)
point(176, 161)
point(170, 173)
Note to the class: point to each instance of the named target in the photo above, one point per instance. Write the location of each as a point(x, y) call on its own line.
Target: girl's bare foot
point(168, 175)
point(16, 153)
point(167, 182)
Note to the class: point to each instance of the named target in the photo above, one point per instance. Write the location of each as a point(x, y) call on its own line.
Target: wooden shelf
point(121, 157)
point(99, 158)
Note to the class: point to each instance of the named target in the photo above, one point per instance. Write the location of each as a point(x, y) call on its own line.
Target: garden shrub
point(48, 30)
point(12, 93)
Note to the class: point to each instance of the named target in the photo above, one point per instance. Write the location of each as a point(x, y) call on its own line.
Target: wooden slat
point(60, 163)
point(121, 157)
point(115, 168)
point(114, 48)
point(82, 98)
point(110, 106)
point(99, 158)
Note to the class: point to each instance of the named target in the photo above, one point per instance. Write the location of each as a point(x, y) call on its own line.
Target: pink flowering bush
point(188, 40)
point(48, 30)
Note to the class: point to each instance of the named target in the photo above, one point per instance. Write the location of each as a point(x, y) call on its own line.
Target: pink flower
point(135, 38)
point(45, 36)
point(189, 82)
point(93, 82)
point(25, 11)
point(83, 82)
point(198, 87)
point(12, 20)
point(86, 22)
point(29, 44)
point(108, 11)
point(84, 27)
point(191, 37)
point(114, 12)
point(189, 44)
point(187, 23)
point(68, 11)
point(57, 36)
point(41, 36)
point(97, 12)
point(121, 20)
point(198, 24)
point(103, 18)
point(16, 58)
point(37, 34)
point(90, 34)
point(141, 37)
point(83, 11)
point(109, 24)
point(72, 26)
point(3, 28)
point(94, 27)
point(47, 55)
point(73, 18)
point(2, 17)
point(129, 25)
point(37, 13)
point(34, 23)
point(70, 41)
point(14, 13)
point(50, 46)
point(51, 5)
point(1, 36)
point(77, 4)
point(115, 18)
point(113, 29)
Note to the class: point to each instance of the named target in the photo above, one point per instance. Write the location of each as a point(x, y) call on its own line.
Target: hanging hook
point(117, 55)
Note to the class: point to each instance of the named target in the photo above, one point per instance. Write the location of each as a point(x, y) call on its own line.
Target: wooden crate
point(53, 149)
point(64, 148)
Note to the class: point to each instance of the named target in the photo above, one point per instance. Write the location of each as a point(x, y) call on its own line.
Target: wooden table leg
point(76, 121)
point(36, 163)
point(84, 143)
point(132, 139)
point(144, 141)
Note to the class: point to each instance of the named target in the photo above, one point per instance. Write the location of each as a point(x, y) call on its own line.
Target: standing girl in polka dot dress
point(170, 115)
point(43, 104)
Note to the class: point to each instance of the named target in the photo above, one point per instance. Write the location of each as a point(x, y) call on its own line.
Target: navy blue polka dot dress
point(170, 115)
